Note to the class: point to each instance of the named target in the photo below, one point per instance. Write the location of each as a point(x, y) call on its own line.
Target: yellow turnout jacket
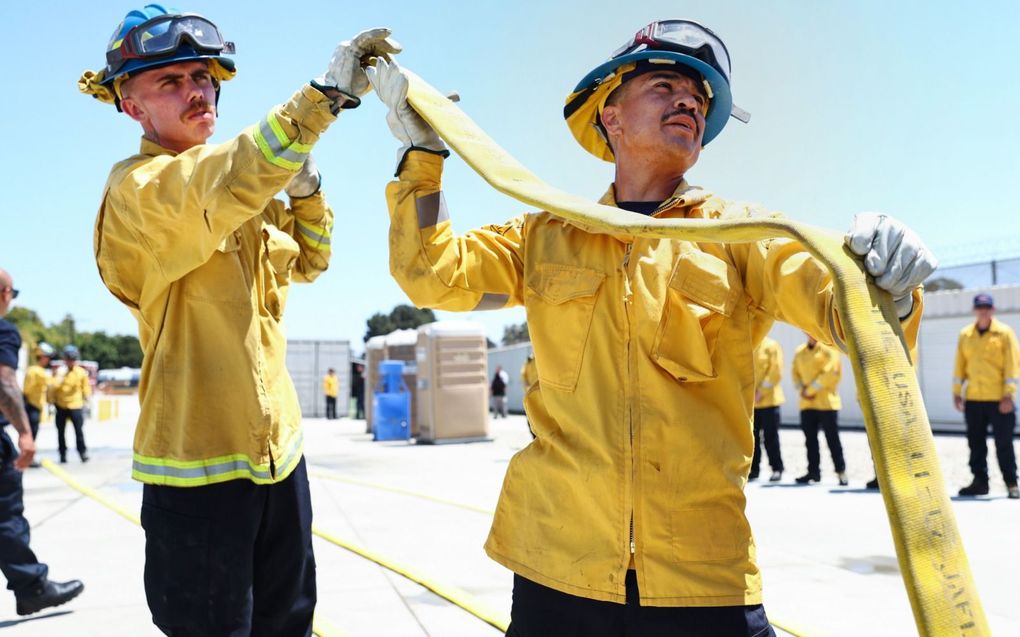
point(643, 407)
point(71, 389)
point(988, 363)
point(768, 371)
point(195, 245)
point(818, 369)
point(37, 382)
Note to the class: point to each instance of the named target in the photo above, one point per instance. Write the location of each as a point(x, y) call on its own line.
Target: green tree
point(516, 334)
point(108, 351)
point(402, 317)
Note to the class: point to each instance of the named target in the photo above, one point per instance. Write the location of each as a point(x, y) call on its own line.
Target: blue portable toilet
point(391, 404)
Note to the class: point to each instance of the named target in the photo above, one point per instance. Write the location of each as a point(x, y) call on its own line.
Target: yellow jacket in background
point(529, 374)
point(36, 387)
point(202, 254)
point(988, 363)
point(70, 390)
point(643, 409)
point(768, 371)
point(330, 385)
point(818, 369)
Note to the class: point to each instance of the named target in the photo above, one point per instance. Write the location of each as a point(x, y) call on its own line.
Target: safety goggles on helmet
point(162, 36)
point(682, 36)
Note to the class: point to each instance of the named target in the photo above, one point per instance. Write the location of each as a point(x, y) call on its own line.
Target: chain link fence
point(975, 275)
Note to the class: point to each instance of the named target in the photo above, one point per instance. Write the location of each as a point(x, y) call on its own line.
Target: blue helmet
point(70, 352)
point(155, 36)
point(680, 45)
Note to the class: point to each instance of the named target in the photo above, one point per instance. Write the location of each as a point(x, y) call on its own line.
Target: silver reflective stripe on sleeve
point(492, 302)
point(431, 210)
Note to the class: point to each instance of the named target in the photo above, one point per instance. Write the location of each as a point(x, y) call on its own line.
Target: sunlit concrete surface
point(826, 552)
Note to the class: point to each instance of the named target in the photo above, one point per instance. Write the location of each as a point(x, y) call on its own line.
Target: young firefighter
point(768, 396)
point(625, 516)
point(988, 363)
point(817, 370)
point(190, 238)
point(71, 389)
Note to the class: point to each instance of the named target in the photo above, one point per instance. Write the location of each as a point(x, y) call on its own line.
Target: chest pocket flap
point(707, 280)
point(560, 305)
point(560, 283)
point(703, 291)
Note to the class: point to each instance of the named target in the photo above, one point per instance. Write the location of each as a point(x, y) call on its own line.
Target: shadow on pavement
point(16, 622)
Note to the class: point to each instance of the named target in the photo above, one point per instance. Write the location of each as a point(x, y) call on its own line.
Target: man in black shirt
point(26, 576)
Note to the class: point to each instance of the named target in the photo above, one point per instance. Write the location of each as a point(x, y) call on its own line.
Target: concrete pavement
point(826, 552)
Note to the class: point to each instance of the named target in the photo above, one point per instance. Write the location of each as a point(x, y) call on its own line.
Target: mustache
point(198, 108)
point(681, 111)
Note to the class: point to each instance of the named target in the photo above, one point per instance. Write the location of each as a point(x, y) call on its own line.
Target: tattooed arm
point(13, 408)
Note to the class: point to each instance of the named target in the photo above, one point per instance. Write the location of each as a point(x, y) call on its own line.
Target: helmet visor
point(163, 35)
point(682, 36)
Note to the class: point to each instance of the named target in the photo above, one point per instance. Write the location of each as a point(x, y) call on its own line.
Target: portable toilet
point(391, 403)
point(400, 346)
point(453, 386)
point(375, 352)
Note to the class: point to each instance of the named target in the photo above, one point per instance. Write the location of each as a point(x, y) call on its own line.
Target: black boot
point(872, 484)
point(808, 477)
point(49, 594)
point(978, 487)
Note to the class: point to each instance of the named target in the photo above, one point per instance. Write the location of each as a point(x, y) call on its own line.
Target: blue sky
point(909, 108)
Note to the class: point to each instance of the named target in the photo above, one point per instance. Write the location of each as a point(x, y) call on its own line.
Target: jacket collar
point(684, 202)
point(150, 147)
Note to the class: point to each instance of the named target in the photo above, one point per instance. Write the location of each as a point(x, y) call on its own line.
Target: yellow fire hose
point(928, 545)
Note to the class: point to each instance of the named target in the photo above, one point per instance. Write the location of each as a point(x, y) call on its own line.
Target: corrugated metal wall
point(307, 362)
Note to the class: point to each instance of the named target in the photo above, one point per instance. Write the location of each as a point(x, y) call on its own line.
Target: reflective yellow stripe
point(276, 147)
point(190, 473)
point(317, 237)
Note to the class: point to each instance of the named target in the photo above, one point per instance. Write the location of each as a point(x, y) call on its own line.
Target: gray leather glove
point(893, 254)
point(305, 182)
point(390, 84)
point(346, 71)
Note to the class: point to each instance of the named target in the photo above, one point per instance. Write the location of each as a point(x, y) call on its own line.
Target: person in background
point(330, 387)
point(984, 389)
point(37, 381)
point(500, 380)
point(27, 577)
point(816, 373)
point(71, 389)
point(358, 390)
point(768, 396)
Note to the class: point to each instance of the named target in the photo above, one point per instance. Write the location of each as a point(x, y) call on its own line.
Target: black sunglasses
point(14, 293)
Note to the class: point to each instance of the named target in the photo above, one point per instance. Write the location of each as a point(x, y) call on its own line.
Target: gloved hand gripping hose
point(931, 556)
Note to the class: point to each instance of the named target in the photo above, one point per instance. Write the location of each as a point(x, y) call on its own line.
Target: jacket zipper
point(630, 417)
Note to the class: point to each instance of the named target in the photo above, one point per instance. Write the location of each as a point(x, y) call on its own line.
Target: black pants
point(827, 419)
point(359, 401)
point(766, 425)
point(19, 564)
point(330, 407)
point(539, 611)
point(33, 418)
point(231, 559)
point(78, 420)
point(979, 414)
